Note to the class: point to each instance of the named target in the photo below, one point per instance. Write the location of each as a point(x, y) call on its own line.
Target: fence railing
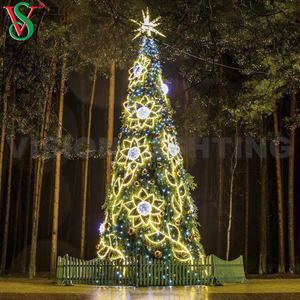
point(140, 271)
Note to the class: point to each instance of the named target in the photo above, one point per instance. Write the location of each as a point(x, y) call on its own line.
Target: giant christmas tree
point(148, 209)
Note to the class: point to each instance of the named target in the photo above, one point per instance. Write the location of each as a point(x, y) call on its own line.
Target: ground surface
point(255, 289)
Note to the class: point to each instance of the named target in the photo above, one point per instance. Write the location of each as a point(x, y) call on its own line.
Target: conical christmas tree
point(148, 209)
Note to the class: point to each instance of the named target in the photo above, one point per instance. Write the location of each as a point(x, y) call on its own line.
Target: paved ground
point(286, 289)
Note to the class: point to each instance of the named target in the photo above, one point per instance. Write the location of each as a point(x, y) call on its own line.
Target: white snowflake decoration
point(144, 208)
point(143, 113)
point(102, 228)
point(134, 153)
point(173, 149)
point(137, 71)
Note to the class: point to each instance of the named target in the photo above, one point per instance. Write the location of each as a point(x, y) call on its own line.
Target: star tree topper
point(147, 26)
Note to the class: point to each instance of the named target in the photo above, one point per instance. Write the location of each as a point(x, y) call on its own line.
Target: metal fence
point(145, 271)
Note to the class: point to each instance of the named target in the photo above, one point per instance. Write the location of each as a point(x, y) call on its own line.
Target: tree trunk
point(186, 129)
point(25, 246)
point(270, 234)
point(291, 188)
point(80, 164)
point(206, 207)
point(263, 202)
point(35, 215)
point(220, 199)
point(83, 131)
point(246, 210)
point(281, 251)
point(3, 129)
point(86, 168)
point(58, 168)
point(298, 251)
point(40, 172)
point(221, 170)
point(110, 121)
point(51, 193)
point(17, 213)
point(89, 204)
point(9, 188)
point(233, 166)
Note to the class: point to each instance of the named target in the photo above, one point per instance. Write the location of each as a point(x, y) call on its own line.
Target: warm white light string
point(209, 61)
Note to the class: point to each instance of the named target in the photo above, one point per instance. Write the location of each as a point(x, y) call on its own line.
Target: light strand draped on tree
point(148, 208)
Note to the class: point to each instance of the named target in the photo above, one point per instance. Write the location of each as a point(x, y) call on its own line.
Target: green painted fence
point(228, 271)
point(142, 271)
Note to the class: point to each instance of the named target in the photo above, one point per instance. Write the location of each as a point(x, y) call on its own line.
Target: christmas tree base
point(145, 271)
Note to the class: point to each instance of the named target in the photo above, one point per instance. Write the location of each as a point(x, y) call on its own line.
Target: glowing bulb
point(191, 207)
point(102, 228)
point(165, 88)
point(144, 208)
point(134, 153)
point(143, 113)
point(173, 149)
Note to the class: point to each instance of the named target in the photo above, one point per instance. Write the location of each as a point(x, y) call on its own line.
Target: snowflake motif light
point(144, 208)
point(102, 228)
point(173, 149)
point(134, 153)
point(143, 113)
point(137, 70)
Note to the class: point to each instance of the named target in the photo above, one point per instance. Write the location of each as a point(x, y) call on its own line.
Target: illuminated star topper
point(146, 26)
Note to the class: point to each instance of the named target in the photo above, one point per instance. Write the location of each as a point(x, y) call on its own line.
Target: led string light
point(110, 249)
point(179, 249)
point(177, 206)
point(210, 61)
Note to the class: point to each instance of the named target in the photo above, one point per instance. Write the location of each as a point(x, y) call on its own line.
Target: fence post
point(136, 273)
point(212, 269)
point(66, 277)
point(59, 270)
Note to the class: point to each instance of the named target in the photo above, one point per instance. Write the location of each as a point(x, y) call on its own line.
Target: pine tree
point(148, 208)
